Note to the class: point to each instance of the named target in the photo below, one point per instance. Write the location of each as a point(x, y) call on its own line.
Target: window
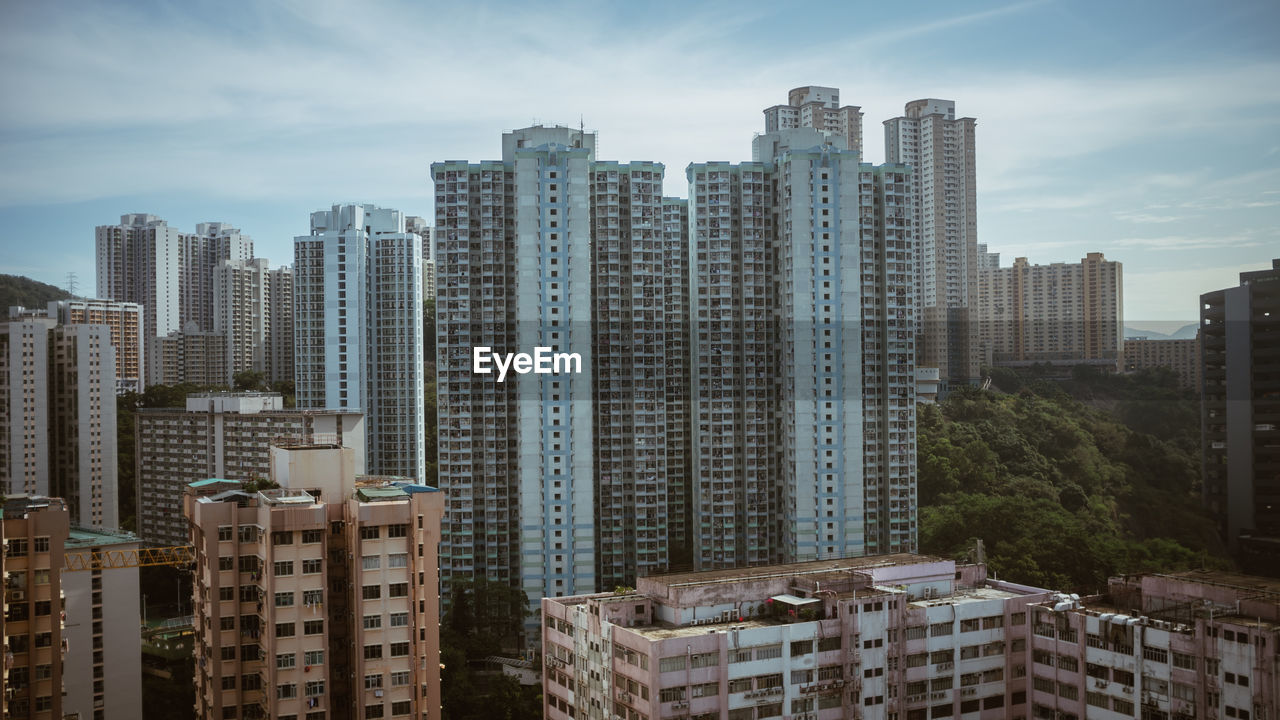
point(312, 597)
point(703, 660)
point(371, 592)
point(768, 652)
point(371, 562)
point(801, 647)
point(312, 536)
point(401, 707)
point(671, 664)
point(285, 691)
point(315, 687)
point(42, 544)
point(311, 567)
point(400, 678)
point(286, 661)
point(372, 711)
point(224, 533)
point(228, 652)
point(399, 649)
point(372, 622)
point(829, 644)
point(398, 590)
point(226, 563)
point(227, 593)
point(228, 622)
point(373, 682)
point(399, 619)
point(1155, 654)
point(970, 625)
point(284, 599)
point(939, 629)
point(373, 652)
point(284, 630)
point(398, 560)
point(397, 531)
point(283, 568)
point(282, 537)
point(370, 532)
point(313, 627)
point(314, 657)
point(675, 694)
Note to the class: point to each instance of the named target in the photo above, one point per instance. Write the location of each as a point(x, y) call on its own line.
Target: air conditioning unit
point(17, 595)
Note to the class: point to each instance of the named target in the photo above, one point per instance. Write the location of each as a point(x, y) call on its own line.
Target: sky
point(1147, 130)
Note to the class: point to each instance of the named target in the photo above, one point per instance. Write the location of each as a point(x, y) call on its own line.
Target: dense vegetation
point(484, 619)
point(19, 290)
point(1067, 482)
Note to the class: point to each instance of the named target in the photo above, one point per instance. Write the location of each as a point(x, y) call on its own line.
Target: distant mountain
point(19, 290)
point(1186, 332)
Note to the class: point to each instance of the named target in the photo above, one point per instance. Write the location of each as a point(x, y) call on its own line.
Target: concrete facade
point(1240, 406)
point(358, 343)
point(103, 631)
point(32, 681)
point(897, 636)
point(1181, 356)
point(127, 327)
point(1192, 645)
point(220, 435)
point(319, 598)
point(1059, 314)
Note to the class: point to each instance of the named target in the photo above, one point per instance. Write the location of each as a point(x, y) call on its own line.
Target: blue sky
point(1146, 130)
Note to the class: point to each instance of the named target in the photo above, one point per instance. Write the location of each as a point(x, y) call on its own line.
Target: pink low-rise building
point(901, 636)
point(1169, 647)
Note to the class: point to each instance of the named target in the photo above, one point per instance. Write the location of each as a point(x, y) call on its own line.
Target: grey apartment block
point(221, 435)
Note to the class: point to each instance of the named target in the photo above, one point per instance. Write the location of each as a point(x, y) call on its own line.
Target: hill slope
point(19, 290)
point(1065, 494)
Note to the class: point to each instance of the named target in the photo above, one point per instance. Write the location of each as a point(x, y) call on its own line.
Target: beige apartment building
point(35, 530)
point(126, 323)
point(1181, 356)
point(1059, 314)
point(317, 599)
point(893, 636)
point(819, 108)
point(188, 356)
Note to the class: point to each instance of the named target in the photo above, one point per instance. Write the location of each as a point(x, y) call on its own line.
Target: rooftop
point(790, 569)
point(97, 537)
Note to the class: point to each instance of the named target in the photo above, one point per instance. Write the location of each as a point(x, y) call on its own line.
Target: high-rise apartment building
point(803, 374)
point(939, 147)
point(58, 416)
point(240, 313)
point(1197, 644)
point(358, 343)
point(1181, 355)
point(561, 483)
point(168, 272)
point(221, 435)
point(319, 598)
point(279, 362)
point(103, 630)
point(675, 243)
point(818, 108)
point(35, 530)
point(893, 636)
point(127, 327)
point(1240, 406)
point(188, 356)
point(1060, 314)
point(427, 234)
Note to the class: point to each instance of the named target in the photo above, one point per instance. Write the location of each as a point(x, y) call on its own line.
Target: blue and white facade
point(358, 333)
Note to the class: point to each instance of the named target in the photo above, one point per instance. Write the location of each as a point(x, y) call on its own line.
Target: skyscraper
point(126, 322)
point(358, 329)
point(279, 311)
point(240, 313)
point(818, 108)
point(803, 366)
point(939, 147)
point(561, 483)
point(1240, 406)
point(169, 273)
point(342, 571)
point(58, 416)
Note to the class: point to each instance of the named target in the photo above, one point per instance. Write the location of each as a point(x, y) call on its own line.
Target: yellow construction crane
point(175, 555)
